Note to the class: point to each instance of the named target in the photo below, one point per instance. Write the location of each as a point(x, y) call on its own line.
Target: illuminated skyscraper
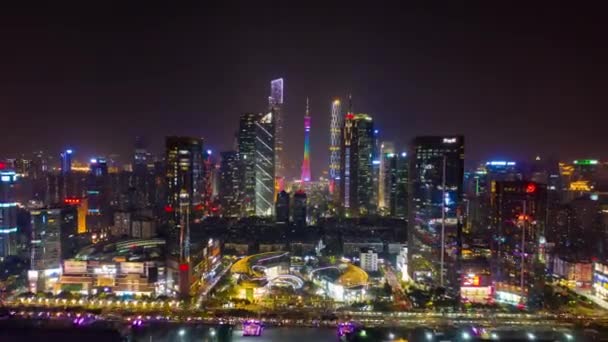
point(66, 161)
point(356, 183)
point(375, 171)
point(519, 212)
point(184, 168)
point(346, 149)
point(246, 145)
point(387, 151)
point(230, 184)
point(275, 106)
point(264, 165)
point(8, 212)
point(398, 185)
point(97, 192)
point(435, 198)
point(52, 239)
point(66, 179)
point(335, 141)
point(306, 162)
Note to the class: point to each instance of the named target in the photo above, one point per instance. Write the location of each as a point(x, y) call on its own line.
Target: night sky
point(516, 81)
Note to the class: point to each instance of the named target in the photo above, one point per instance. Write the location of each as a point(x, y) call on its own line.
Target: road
point(393, 281)
point(589, 294)
point(210, 285)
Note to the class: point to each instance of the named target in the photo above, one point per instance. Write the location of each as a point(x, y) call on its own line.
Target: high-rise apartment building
point(435, 195)
point(356, 186)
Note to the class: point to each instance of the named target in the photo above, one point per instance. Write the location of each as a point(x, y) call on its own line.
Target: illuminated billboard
point(470, 280)
point(132, 267)
point(474, 280)
point(586, 162)
point(74, 267)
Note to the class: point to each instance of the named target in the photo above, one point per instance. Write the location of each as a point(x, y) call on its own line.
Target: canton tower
point(306, 162)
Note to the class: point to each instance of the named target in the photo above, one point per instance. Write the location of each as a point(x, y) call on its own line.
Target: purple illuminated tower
point(306, 162)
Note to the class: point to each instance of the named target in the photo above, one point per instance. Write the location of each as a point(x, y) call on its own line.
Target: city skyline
point(449, 181)
point(401, 77)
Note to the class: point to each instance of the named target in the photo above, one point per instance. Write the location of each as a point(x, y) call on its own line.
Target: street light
point(531, 336)
point(568, 337)
point(429, 336)
point(182, 332)
point(212, 332)
point(466, 335)
point(391, 336)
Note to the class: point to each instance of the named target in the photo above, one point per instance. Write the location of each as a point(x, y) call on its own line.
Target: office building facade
point(275, 106)
point(519, 212)
point(246, 140)
point(335, 144)
point(282, 207)
point(356, 183)
point(300, 202)
point(8, 213)
point(434, 199)
point(230, 184)
point(184, 168)
point(264, 165)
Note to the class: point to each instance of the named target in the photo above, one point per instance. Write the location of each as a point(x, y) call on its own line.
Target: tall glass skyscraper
point(275, 106)
point(387, 152)
point(399, 185)
point(356, 186)
point(264, 165)
point(184, 173)
point(246, 148)
point(45, 250)
point(66, 161)
point(306, 161)
point(335, 141)
point(435, 196)
point(8, 212)
point(230, 188)
point(518, 218)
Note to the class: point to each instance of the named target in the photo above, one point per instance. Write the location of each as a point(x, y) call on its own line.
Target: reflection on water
point(227, 334)
point(289, 335)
